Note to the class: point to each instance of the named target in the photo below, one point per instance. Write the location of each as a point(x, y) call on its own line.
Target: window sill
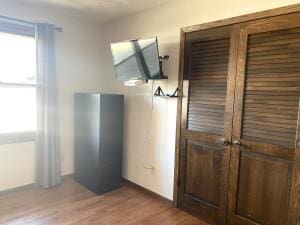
point(17, 137)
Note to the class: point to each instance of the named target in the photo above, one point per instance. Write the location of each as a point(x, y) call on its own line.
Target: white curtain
point(48, 171)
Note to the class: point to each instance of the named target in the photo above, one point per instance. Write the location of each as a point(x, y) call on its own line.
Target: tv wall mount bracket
point(161, 60)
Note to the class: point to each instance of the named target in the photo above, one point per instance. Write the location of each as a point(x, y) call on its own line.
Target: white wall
point(165, 22)
point(16, 165)
point(79, 68)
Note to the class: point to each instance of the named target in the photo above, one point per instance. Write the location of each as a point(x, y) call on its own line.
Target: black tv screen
point(136, 59)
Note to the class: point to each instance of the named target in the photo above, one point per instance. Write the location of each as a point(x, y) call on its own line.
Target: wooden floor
point(70, 203)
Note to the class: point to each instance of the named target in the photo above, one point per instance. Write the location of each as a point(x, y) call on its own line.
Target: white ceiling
point(98, 10)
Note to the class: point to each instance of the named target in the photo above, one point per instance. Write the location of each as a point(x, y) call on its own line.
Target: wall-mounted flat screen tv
point(137, 59)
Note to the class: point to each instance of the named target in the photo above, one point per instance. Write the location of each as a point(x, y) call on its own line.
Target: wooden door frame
point(184, 31)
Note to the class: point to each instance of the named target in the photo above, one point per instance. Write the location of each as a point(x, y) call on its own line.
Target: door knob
point(241, 146)
point(223, 141)
point(237, 143)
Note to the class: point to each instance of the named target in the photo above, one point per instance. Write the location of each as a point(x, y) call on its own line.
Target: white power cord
point(145, 139)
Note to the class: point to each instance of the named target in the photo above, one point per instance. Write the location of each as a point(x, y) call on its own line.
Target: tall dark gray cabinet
point(98, 141)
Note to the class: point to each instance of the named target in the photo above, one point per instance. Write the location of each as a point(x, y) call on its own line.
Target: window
point(17, 87)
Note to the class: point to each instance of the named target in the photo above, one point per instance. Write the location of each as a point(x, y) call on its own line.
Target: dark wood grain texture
point(178, 119)
point(265, 125)
point(207, 95)
point(206, 122)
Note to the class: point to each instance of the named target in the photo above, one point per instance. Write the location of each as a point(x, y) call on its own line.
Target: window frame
point(27, 31)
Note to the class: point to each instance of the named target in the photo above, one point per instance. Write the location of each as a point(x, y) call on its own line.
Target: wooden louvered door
point(265, 152)
point(207, 107)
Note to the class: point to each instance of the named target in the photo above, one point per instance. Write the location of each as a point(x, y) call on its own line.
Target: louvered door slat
point(277, 97)
point(208, 83)
point(279, 56)
point(274, 52)
point(266, 38)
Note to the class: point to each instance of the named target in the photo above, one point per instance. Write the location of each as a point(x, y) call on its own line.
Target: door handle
point(223, 141)
point(237, 143)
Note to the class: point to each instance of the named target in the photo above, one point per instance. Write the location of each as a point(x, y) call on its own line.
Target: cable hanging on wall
point(145, 139)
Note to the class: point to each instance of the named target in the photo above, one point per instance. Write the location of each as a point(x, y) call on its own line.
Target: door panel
point(260, 179)
point(203, 172)
point(207, 107)
point(265, 124)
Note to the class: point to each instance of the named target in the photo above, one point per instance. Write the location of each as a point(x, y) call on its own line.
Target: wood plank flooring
point(70, 203)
